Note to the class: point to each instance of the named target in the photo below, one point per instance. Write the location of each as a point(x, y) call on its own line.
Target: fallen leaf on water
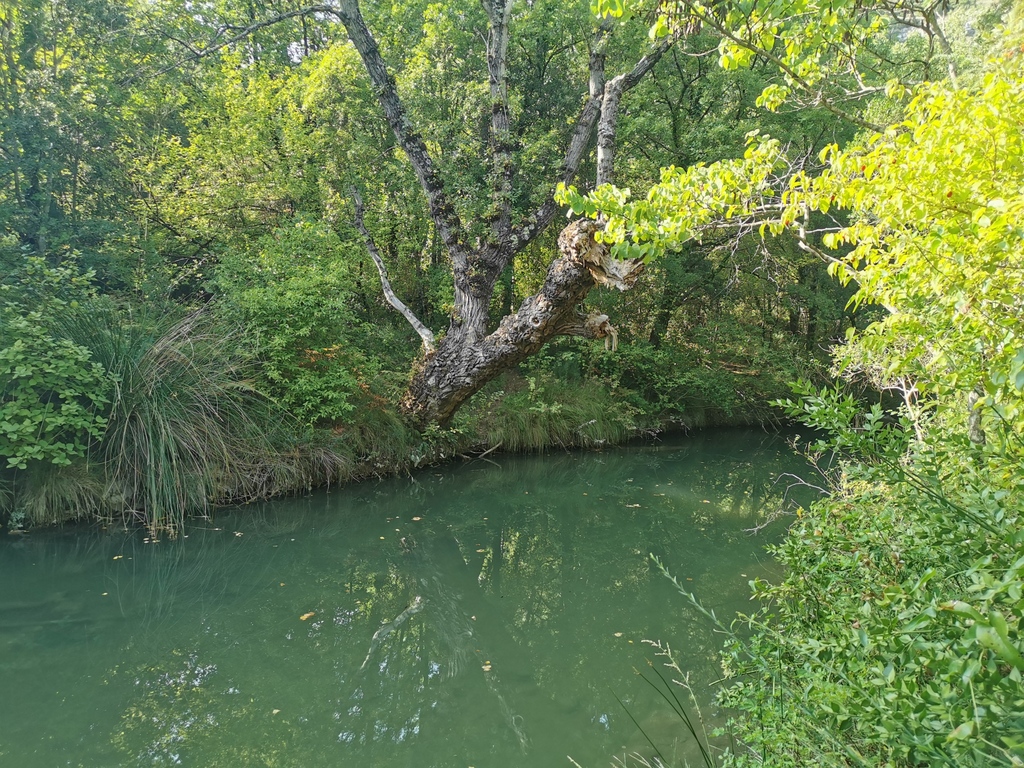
point(309, 615)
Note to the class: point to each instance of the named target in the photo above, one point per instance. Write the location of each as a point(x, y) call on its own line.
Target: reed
point(183, 427)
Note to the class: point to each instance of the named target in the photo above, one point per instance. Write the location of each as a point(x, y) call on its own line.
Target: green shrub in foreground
point(896, 637)
point(52, 394)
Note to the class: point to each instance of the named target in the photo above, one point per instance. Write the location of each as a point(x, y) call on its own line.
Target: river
point(487, 614)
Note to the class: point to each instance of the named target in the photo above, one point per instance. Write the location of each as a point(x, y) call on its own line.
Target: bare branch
point(219, 42)
point(425, 333)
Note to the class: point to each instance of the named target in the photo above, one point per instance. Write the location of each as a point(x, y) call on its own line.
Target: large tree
point(470, 353)
point(486, 209)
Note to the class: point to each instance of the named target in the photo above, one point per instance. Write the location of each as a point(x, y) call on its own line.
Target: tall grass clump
point(185, 427)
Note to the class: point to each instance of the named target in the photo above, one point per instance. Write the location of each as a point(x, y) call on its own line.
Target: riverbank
point(522, 412)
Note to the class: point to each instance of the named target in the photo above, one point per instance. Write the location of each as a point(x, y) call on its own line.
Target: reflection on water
point(466, 616)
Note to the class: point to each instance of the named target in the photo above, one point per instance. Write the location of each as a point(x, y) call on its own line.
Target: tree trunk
point(452, 370)
point(463, 363)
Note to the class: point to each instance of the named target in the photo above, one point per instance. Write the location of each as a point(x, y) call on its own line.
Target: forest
point(250, 248)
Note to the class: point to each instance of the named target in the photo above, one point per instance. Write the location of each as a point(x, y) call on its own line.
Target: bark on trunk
point(468, 357)
point(462, 364)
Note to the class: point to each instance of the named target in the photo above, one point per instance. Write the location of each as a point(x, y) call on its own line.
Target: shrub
point(896, 637)
point(292, 294)
point(52, 394)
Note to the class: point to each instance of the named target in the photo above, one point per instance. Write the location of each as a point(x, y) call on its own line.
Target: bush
point(896, 637)
point(292, 294)
point(52, 394)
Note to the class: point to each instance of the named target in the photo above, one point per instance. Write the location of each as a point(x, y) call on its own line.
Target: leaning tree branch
point(425, 333)
point(443, 214)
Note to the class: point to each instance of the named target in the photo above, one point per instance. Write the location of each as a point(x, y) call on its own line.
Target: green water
point(524, 589)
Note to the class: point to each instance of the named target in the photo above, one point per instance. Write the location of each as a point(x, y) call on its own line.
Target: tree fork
point(457, 370)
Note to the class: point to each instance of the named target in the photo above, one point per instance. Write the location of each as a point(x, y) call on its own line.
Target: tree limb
point(613, 91)
point(502, 167)
point(584, 127)
point(443, 214)
point(425, 333)
point(218, 43)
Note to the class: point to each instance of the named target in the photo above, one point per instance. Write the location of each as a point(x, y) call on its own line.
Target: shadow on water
point(470, 615)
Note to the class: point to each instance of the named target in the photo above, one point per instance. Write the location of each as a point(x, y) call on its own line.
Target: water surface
point(523, 589)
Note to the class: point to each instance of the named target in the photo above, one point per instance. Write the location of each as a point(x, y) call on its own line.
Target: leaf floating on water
point(309, 615)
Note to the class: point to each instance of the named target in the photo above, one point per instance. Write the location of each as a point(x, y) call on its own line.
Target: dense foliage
point(189, 312)
point(899, 633)
point(896, 638)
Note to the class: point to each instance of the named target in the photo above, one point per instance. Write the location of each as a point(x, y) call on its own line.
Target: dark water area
point(481, 614)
